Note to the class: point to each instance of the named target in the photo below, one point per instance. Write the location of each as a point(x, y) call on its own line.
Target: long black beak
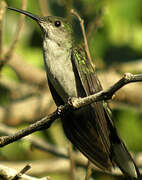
point(34, 17)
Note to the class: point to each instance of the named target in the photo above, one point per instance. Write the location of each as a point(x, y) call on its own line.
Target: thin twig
point(71, 161)
point(7, 173)
point(84, 34)
point(2, 11)
point(89, 171)
point(9, 54)
point(23, 171)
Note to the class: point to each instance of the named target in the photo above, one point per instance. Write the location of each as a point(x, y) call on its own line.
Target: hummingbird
point(70, 74)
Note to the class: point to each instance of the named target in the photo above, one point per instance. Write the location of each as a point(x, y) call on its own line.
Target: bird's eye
point(57, 23)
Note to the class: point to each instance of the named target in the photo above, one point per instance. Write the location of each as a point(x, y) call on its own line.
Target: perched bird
point(71, 74)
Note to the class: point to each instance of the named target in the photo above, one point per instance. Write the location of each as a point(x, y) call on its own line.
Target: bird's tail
point(124, 161)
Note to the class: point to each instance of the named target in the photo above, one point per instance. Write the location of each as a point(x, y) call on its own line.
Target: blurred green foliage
point(114, 31)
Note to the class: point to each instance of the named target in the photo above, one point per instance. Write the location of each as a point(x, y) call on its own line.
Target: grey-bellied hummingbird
point(70, 74)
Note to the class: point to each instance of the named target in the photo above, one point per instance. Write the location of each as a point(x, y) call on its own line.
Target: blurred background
point(114, 32)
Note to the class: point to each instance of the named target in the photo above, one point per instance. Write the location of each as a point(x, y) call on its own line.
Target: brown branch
point(108, 93)
point(35, 103)
point(84, 34)
point(89, 170)
point(27, 72)
point(125, 95)
point(46, 122)
point(72, 163)
point(36, 142)
point(9, 54)
point(39, 101)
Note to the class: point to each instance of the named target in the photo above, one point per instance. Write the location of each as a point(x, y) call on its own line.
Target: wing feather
point(92, 85)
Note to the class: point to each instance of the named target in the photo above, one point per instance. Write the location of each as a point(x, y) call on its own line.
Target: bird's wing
point(91, 85)
point(114, 146)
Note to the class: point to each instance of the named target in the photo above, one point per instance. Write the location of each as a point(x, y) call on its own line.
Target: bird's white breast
point(59, 69)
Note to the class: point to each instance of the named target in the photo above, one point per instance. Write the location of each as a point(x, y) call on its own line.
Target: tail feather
point(124, 161)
